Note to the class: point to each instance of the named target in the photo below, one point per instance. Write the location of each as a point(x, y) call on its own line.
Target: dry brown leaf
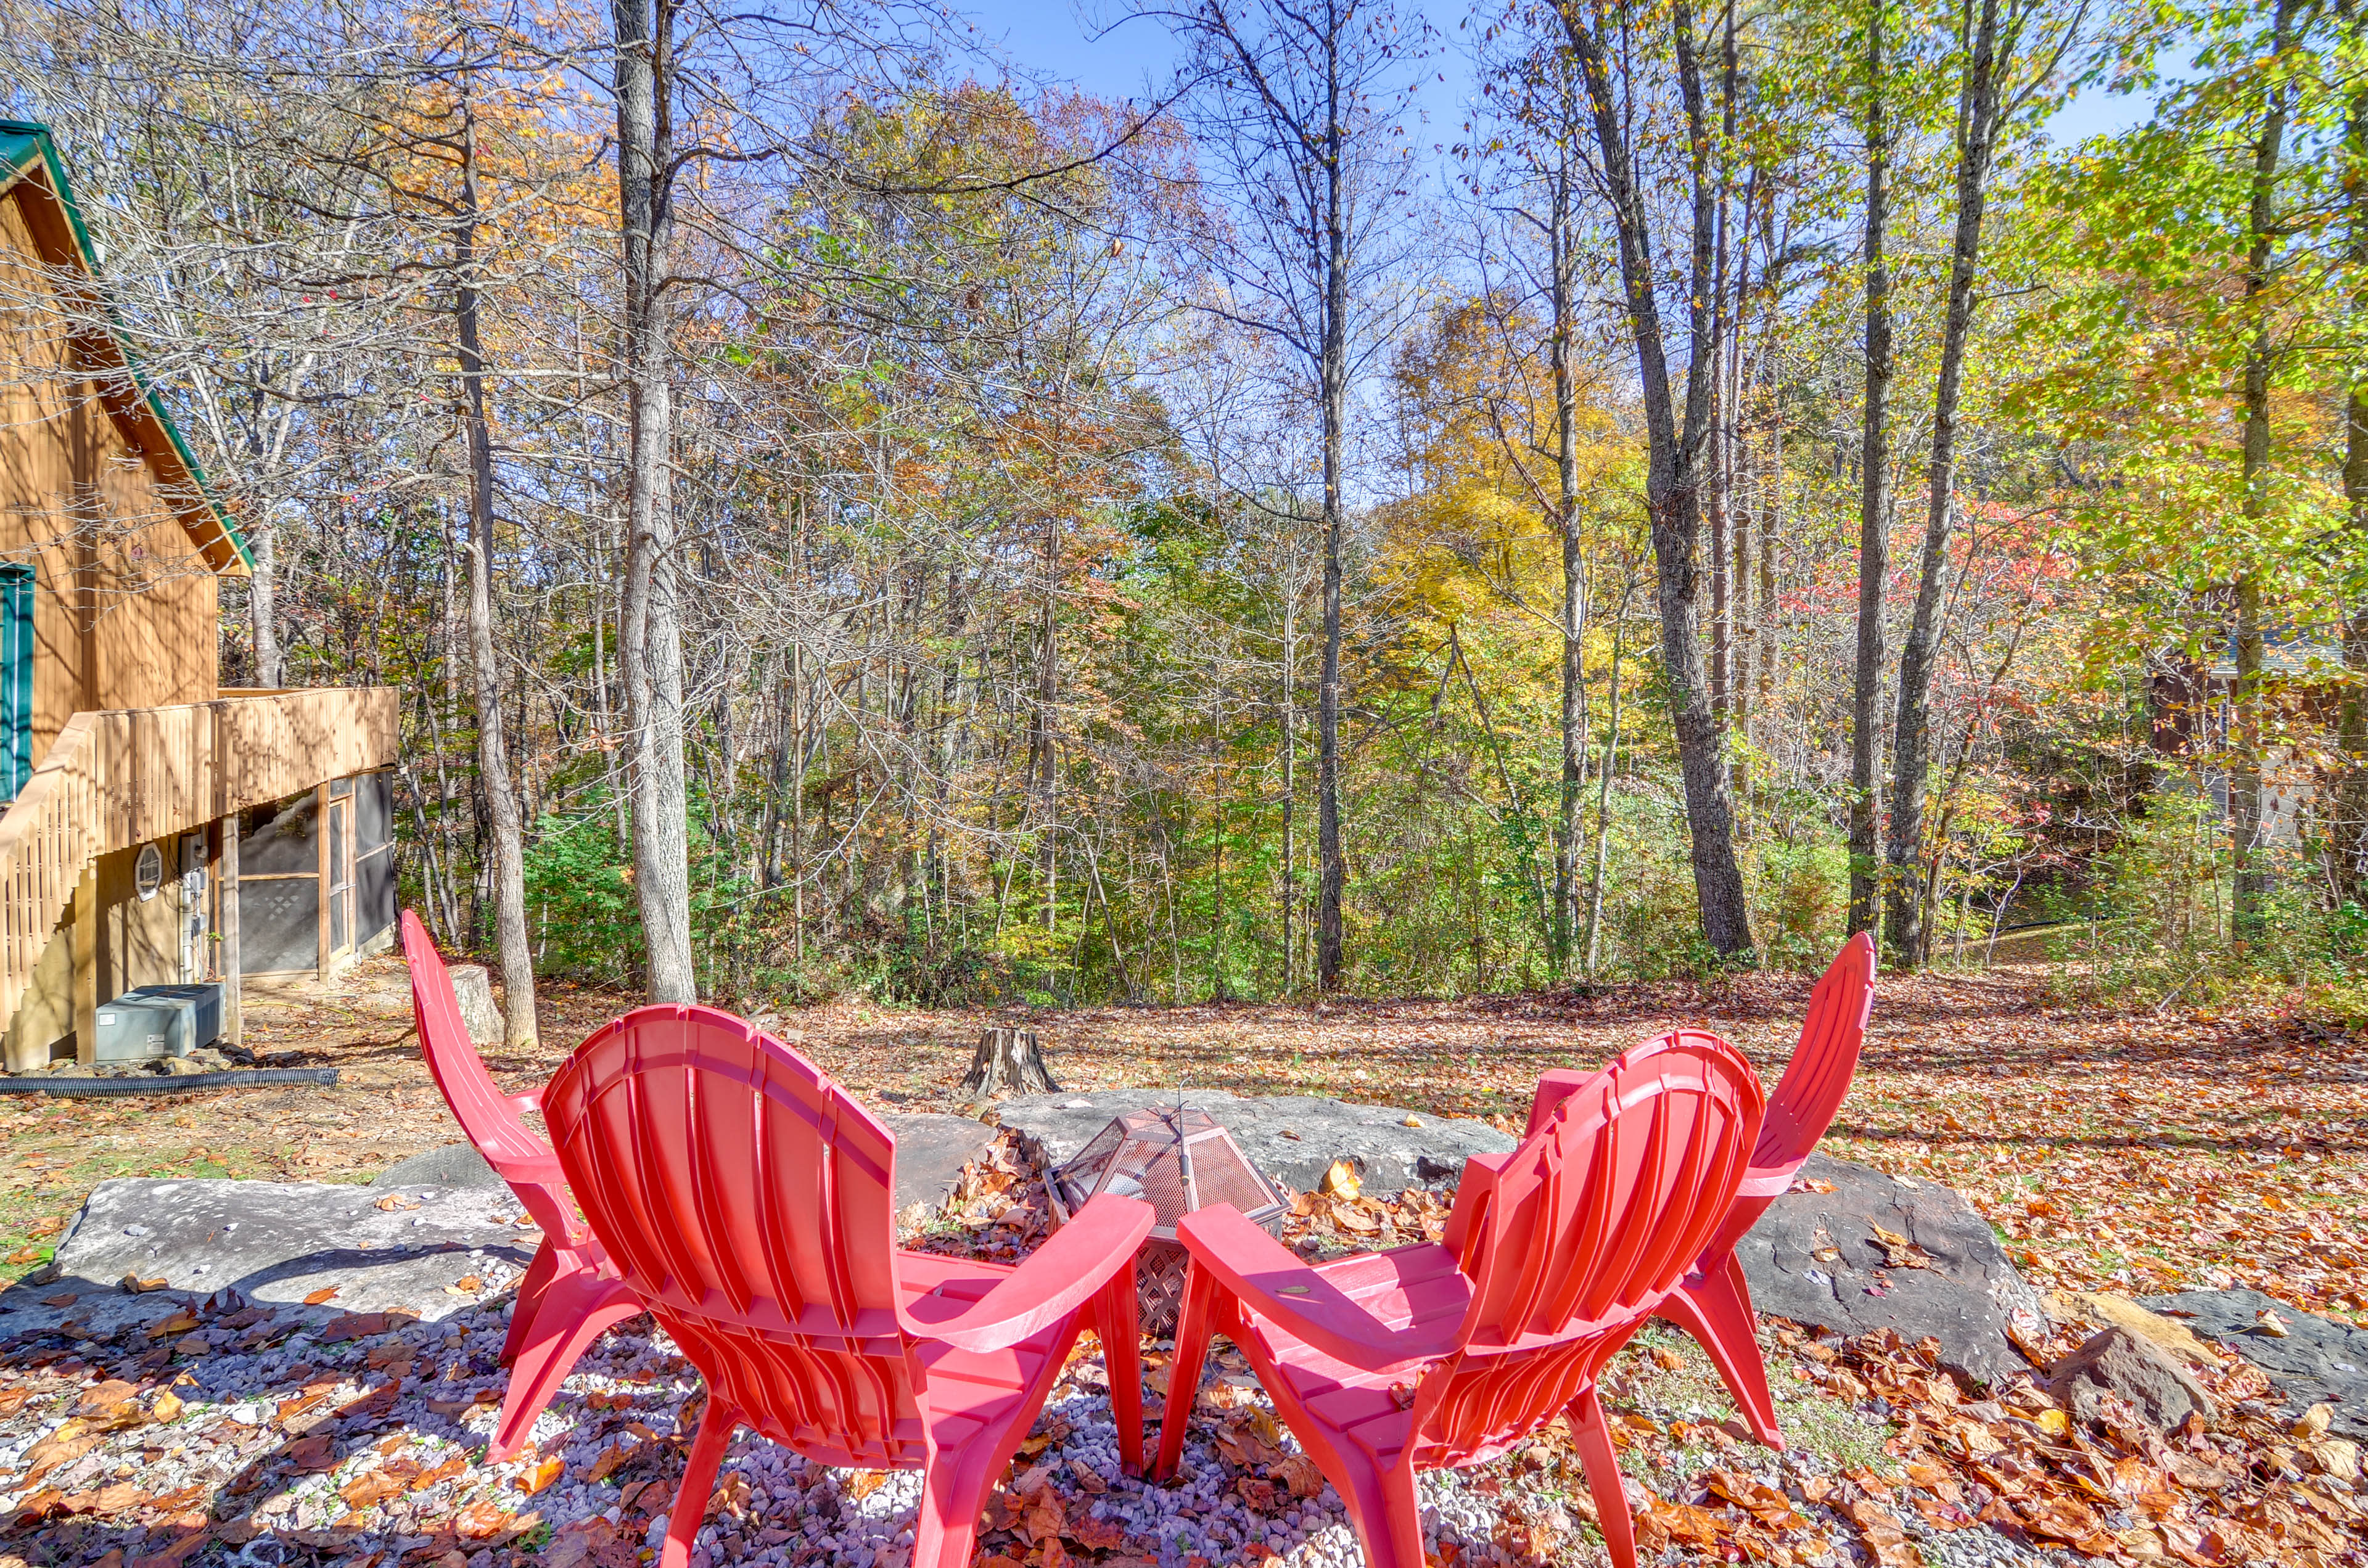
point(1300, 1473)
point(370, 1489)
point(327, 1293)
point(481, 1521)
point(540, 1477)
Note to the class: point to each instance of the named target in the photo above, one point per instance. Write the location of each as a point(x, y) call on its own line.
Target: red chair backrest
point(1599, 1213)
point(749, 1201)
point(484, 1113)
point(1809, 1095)
point(1577, 1236)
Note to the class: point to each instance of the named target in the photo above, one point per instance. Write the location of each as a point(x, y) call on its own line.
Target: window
point(16, 679)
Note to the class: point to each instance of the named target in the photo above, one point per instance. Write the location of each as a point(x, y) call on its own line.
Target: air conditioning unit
point(158, 1020)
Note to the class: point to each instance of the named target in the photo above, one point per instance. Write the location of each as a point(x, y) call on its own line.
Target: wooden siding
point(125, 605)
point(116, 779)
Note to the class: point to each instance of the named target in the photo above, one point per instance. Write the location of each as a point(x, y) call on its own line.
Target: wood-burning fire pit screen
point(1176, 1160)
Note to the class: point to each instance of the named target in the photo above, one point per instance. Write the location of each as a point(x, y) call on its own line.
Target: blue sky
point(1058, 38)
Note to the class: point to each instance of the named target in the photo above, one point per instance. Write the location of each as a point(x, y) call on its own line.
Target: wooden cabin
point(158, 828)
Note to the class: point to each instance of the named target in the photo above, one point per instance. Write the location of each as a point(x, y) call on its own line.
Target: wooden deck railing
point(125, 775)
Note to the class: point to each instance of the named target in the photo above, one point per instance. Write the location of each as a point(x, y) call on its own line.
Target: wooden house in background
point(158, 828)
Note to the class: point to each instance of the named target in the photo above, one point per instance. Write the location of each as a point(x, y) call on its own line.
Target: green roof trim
point(23, 146)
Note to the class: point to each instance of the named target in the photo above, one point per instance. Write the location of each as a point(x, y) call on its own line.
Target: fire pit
point(1176, 1160)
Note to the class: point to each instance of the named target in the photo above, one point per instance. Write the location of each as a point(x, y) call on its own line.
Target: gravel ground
point(236, 1444)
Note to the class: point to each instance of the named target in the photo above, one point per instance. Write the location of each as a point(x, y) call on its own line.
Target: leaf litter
point(2114, 1154)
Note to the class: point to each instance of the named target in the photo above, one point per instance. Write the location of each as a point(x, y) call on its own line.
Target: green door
point(16, 679)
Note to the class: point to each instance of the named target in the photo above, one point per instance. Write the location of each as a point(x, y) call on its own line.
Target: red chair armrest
point(1770, 1181)
point(1268, 1280)
point(1057, 1279)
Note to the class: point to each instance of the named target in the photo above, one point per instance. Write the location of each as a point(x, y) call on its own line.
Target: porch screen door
point(16, 679)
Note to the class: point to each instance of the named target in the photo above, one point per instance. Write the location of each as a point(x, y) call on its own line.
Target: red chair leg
point(953, 1492)
point(1116, 1326)
point(1603, 1462)
point(1715, 1308)
point(1194, 1323)
point(1387, 1514)
point(576, 1311)
point(531, 1288)
point(697, 1484)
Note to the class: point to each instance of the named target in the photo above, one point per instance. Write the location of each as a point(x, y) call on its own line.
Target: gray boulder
point(2115, 1361)
point(454, 1164)
point(275, 1244)
point(930, 1153)
point(1293, 1137)
point(1815, 1257)
point(473, 989)
point(2316, 1359)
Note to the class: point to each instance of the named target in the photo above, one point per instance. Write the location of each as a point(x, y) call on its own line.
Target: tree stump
point(1008, 1059)
point(473, 989)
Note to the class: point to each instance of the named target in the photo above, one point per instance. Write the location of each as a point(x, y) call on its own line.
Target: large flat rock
point(1293, 1137)
point(2317, 1360)
point(930, 1152)
point(1813, 1258)
point(275, 1244)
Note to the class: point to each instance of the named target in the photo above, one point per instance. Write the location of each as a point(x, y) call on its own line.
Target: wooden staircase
point(126, 776)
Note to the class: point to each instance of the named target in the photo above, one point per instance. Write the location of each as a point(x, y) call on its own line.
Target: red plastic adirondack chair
point(568, 1297)
point(1715, 1303)
point(1445, 1354)
point(748, 1201)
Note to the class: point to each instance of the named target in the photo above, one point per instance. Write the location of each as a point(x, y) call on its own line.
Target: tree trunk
point(1977, 130)
point(493, 753)
point(1332, 873)
point(2252, 871)
point(1007, 1059)
point(1572, 722)
point(1674, 478)
point(1290, 765)
point(1603, 795)
point(2351, 828)
point(649, 637)
point(1874, 499)
point(263, 603)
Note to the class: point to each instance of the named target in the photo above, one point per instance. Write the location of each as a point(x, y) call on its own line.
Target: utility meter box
point(157, 1021)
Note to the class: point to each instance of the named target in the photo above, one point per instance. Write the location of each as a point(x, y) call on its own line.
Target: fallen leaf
point(327, 1292)
point(136, 1285)
point(451, 1470)
point(368, 1490)
point(481, 1521)
point(540, 1478)
point(1300, 1473)
point(395, 1203)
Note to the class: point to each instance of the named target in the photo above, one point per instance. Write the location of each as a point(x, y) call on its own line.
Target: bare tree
point(1990, 31)
point(1615, 66)
point(649, 630)
point(1297, 111)
point(1875, 488)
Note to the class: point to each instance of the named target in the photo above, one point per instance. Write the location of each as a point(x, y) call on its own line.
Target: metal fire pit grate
point(1176, 1161)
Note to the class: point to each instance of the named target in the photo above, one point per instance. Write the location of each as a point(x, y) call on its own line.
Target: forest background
point(844, 516)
